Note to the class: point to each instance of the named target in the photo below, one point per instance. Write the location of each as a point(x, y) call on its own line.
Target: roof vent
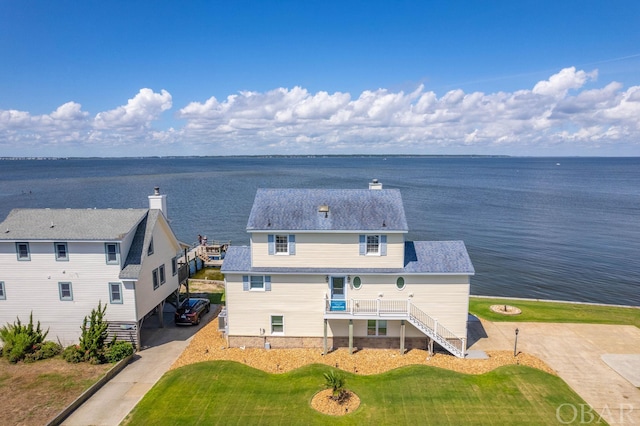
point(374, 184)
point(7, 231)
point(52, 225)
point(324, 209)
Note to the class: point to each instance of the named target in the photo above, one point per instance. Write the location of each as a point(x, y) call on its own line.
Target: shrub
point(94, 334)
point(46, 350)
point(21, 340)
point(118, 350)
point(73, 354)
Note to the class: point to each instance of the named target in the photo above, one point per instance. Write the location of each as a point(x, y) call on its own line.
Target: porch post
point(401, 337)
point(161, 314)
point(430, 340)
point(350, 336)
point(139, 334)
point(324, 343)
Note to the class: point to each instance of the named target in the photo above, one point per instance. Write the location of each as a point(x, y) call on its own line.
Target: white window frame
point(150, 249)
point(369, 245)
point(68, 298)
point(261, 287)
point(378, 328)
point(281, 244)
point(28, 252)
point(3, 291)
point(118, 301)
point(404, 283)
point(272, 324)
point(353, 283)
point(59, 258)
point(107, 253)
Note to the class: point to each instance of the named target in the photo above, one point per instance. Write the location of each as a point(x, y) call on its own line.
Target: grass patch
point(216, 298)
point(224, 392)
point(536, 311)
point(34, 393)
point(208, 274)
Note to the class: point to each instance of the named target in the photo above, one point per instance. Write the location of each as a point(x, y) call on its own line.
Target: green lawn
point(536, 311)
point(229, 393)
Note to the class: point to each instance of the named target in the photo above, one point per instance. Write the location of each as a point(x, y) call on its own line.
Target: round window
point(400, 283)
point(357, 283)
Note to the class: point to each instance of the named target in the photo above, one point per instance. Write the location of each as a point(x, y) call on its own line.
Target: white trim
point(275, 333)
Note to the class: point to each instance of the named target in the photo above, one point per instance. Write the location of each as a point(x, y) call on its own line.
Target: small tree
point(335, 381)
point(94, 335)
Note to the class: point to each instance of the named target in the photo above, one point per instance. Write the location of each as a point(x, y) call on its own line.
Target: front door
point(338, 299)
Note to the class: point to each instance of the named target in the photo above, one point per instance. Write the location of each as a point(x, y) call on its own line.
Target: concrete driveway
point(162, 346)
point(575, 352)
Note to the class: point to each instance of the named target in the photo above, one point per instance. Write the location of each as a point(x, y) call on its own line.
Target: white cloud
point(138, 113)
point(562, 114)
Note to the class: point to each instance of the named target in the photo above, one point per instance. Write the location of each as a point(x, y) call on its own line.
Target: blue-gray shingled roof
point(141, 239)
point(421, 257)
point(69, 224)
point(349, 210)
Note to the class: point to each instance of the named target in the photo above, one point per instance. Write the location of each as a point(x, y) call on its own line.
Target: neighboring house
point(60, 263)
point(331, 268)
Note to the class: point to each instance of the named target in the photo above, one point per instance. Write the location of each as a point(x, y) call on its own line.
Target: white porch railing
point(402, 309)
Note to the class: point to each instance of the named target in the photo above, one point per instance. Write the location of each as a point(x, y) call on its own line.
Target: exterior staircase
point(397, 309)
point(430, 326)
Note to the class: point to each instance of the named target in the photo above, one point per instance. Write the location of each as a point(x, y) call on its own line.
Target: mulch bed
point(323, 403)
point(209, 345)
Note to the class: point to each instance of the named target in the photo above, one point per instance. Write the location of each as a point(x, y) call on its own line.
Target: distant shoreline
point(298, 156)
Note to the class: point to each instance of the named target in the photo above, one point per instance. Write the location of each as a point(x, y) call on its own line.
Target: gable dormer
point(327, 228)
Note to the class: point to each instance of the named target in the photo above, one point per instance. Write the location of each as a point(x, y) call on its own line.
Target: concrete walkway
point(575, 352)
point(111, 404)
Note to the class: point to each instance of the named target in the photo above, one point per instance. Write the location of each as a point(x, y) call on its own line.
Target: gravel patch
point(210, 345)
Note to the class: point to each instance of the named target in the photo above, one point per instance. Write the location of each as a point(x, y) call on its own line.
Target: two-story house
point(60, 263)
point(331, 268)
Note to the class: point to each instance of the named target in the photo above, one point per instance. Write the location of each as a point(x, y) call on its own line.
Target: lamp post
point(515, 345)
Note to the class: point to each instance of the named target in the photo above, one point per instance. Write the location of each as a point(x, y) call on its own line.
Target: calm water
point(553, 228)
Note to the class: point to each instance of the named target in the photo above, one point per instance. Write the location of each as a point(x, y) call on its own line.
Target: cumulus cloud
point(139, 112)
point(565, 113)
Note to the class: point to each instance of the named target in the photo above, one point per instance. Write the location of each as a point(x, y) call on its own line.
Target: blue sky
point(121, 78)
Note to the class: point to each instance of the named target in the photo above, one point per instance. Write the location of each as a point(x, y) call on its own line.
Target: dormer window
point(283, 244)
point(373, 245)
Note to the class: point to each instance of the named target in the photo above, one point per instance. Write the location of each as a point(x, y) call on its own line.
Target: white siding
point(32, 286)
point(327, 251)
point(165, 247)
point(301, 300)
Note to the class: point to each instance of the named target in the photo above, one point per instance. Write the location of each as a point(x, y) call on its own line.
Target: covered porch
point(391, 309)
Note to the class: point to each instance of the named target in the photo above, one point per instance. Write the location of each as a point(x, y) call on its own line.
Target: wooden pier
point(205, 255)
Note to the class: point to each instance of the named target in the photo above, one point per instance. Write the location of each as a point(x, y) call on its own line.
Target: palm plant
point(335, 381)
